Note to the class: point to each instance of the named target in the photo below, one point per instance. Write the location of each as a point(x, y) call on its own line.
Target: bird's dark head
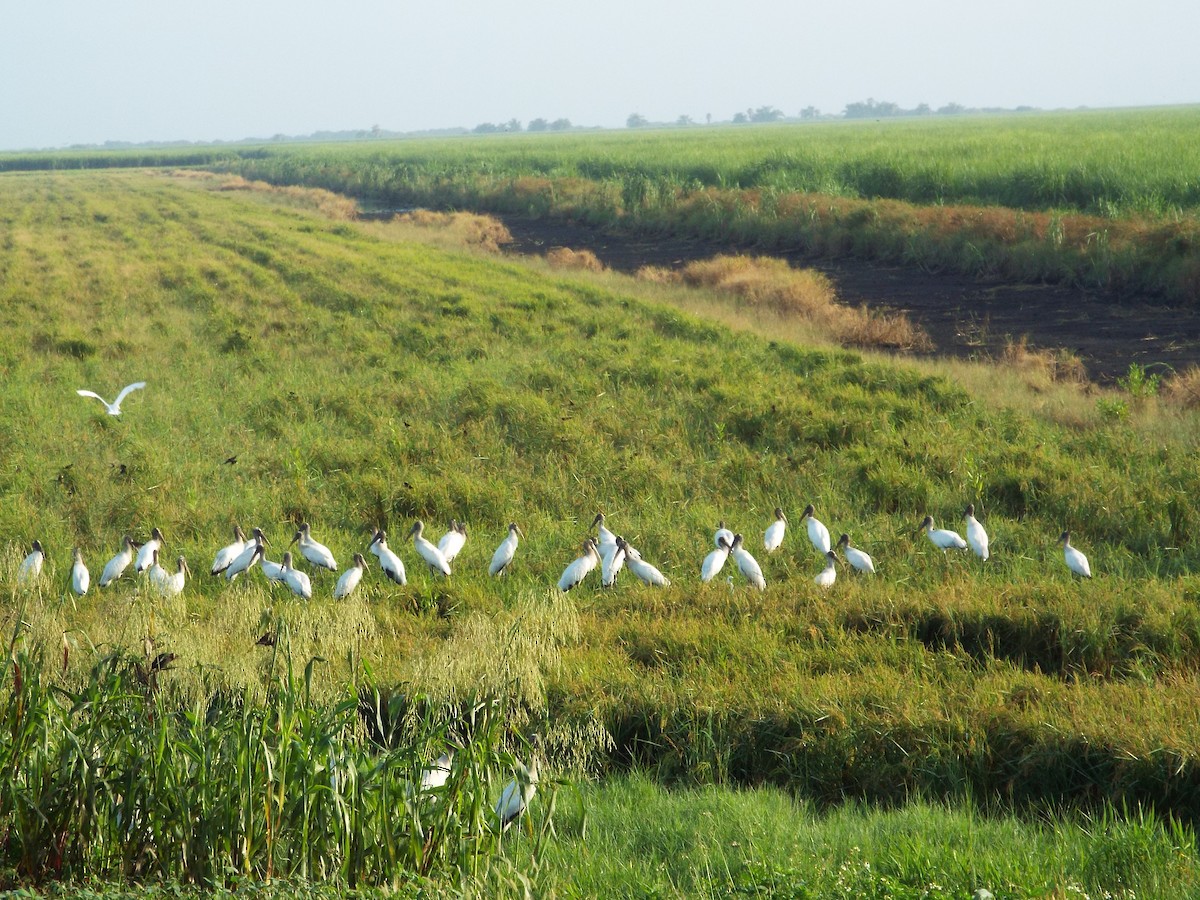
point(808, 511)
point(844, 541)
point(779, 513)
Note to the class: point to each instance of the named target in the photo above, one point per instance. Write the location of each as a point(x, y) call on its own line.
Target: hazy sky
point(87, 71)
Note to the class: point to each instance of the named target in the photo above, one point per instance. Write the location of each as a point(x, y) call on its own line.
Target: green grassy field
point(361, 379)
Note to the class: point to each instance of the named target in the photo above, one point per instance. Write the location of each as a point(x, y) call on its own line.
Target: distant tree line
point(863, 109)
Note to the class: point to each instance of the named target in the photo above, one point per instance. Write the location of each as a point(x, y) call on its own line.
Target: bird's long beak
point(296, 538)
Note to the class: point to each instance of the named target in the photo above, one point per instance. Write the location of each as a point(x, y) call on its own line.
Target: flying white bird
point(229, 552)
point(517, 793)
point(612, 562)
point(31, 566)
point(976, 536)
point(1076, 561)
point(314, 551)
point(605, 539)
point(641, 569)
point(119, 563)
point(428, 551)
point(506, 551)
point(942, 538)
point(298, 582)
point(114, 408)
point(828, 575)
point(350, 578)
point(574, 573)
point(145, 554)
point(715, 561)
point(389, 562)
point(859, 559)
point(722, 532)
point(251, 553)
point(747, 564)
point(81, 579)
point(439, 773)
point(817, 532)
point(453, 540)
point(774, 536)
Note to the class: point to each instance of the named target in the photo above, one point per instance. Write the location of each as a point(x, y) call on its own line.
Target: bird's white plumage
point(612, 562)
point(775, 531)
point(114, 568)
point(575, 572)
point(81, 579)
point(828, 575)
point(747, 564)
point(506, 551)
point(1076, 561)
point(453, 541)
point(114, 408)
point(517, 793)
point(642, 570)
point(252, 553)
point(859, 559)
point(297, 582)
point(715, 561)
point(428, 551)
point(350, 578)
point(273, 570)
point(438, 774)
point(229, 552)
point(31, 567)
point(605, 539)
point(145, 554)
point(314, 551)
point(156, 575)
point(389, 562)
point(818, 534)
point(722, 534)
point(977, 538)
point(943, 538)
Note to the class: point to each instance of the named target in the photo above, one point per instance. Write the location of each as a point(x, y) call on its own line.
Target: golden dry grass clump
point(327, 203)
point(1044, 365)
point(1183, 388)
point(468, 229)
point(579, 260)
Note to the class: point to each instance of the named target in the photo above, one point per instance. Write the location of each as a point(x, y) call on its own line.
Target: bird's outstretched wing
point(125, 392)
point(92, 394)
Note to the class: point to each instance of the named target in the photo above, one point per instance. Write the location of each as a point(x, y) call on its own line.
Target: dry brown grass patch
point(580, 260)
point(1044, 364)
point(327, 203)
point(1183, 388)
point(468, 229)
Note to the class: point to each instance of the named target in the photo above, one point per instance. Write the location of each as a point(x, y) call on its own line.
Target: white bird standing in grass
point(859, 559)
point(1076, 561)
point(389, 562)
point(251, 553)
point(828, 575)
point(298, 582)
point(774, 536)
point(605, 539)
point(747, 564)
point(145, 554)
point(715, 561)
point(818, 534)
point(453, 540)
point(642, 570)
point(942, 538)
point(722, 533)
point(114, 408)
point(612, 562)
point(976, 536)
point(350, 578)
point(517, 793)
point(574, 573)
point(81, 578)
point(119, 563)
point(229, 552)
point(174, 584)
point(428, 551)
point(314, 551)
point(156, 574)
point(31, 566)
point(438, 774)
point(506, 551)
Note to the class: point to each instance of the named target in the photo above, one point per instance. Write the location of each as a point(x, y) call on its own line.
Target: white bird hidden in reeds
point(612, 562)
point(715, 561)
point(298, 582)
point(722, 534)
point(438, 774)
point(314, 551)
point(1076, 561)
point(453, 541)
point(942, 538)
point(828, 575)
point(818, 534)
point(114, 408)
point(977, 538)
point(31, 566)
point(517, 794)
point(642, 570)
point(504, 554)
point(859, 559)
point(428, 551)
point(605, 539)
point(251, 553)
point(350, 578)
point(747, 564)
point(145, 554)
point(81, 578)
point(575, 572)
point(229, 552)
point(389, 562)
point(116, 566)
point(773, 538)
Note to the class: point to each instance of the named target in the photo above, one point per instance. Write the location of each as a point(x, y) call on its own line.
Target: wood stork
point(774, 535)
point(298, 582)
point(272, 570)
point(31, 566)
point(859, 559)
point(114, 408)
point(145, 554)
point(817, 532)
point(715, 561)
point(314, 551)
point(517, 793)
point(389, 562)
point(942, 538)
point(81, 579)
point(119, 563)
point(605, 539)
point(612, 562)
point(229, 552)
point(428, 551)
point(574, 573)
point(251, 554)
point(350, 578)
point(157, 575)
point(828, 575)
point(976, 537)
point(438, 774)
point(642, 570)
point(722, 533)
point(506, 551)
point(1076, 561)
point(747, 564)
point(169, 584)
point(453, 540)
